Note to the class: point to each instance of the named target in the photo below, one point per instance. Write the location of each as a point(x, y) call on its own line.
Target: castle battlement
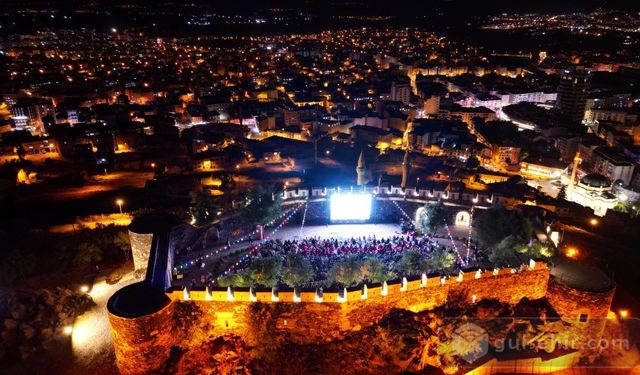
point(148, 319)
point(468, 196)
point(373, 292)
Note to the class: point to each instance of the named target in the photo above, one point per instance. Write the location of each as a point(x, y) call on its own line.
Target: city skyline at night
point(287, 187)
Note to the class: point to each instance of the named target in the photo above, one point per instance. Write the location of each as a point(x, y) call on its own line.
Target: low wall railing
point(364, 292)
point(471, 197)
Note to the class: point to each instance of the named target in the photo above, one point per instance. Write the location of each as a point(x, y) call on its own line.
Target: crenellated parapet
point(374, 293)
point(467, 197)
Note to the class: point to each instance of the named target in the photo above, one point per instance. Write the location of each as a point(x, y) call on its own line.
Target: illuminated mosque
point(593, 191)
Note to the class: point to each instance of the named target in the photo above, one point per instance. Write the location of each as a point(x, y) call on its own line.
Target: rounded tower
point(581, 294)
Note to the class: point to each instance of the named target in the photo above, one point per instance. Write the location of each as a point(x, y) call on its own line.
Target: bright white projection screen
point(346, 207)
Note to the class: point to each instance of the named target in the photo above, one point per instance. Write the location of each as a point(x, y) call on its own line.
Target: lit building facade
point(572, 95)
point(593, 191)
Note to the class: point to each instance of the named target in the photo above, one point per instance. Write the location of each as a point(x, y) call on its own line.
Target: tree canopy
point(352, 271)
point(472, 162)
point(27, 253)
point(496, 223)
point(263, 205)
point(441, 260)
point(297, 270)
point(265, 271)
point(412, 263)
point(630, 207)
point(508, 252)
point(345, 272)
point(431, 217)
point(512, 251)
point(203, 207)
point(373, 271)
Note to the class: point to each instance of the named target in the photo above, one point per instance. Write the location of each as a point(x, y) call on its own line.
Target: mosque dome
point(595, 180)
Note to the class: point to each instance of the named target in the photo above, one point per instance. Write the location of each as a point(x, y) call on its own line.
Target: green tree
point(472, 162)
point(431, 217)
point(509, 252)
point(540, 250)
point(265, 271)
point(297, 270)
point(121, 242)
point(263, 205)
point(630, 207)
point(88, 253)
point(16, 264)
point(345, 272)
point(234, 154)
point(562, 193)
point(373, 270)
point(239, 279)
point(496, 223)
point(412, 263)
point(203, 207)
point(441, 260)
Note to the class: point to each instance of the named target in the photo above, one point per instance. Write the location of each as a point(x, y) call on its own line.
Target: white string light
point(404, 213)
point(239, 240)
point(304, 217)
point(469, 235)
point(255, 248)
point(453, 243)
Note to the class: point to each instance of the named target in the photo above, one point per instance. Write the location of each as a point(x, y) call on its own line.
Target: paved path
point(91, 341)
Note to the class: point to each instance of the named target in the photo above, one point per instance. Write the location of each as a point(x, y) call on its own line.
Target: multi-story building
point(572, 95)
point(27, 117)
point(401, 92)
point(621, 115)
point(505, 152)
point(467, 115)
point(612, 164)
point(432, 105)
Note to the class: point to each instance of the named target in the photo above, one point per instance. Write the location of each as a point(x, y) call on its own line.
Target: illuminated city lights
point(182, 181)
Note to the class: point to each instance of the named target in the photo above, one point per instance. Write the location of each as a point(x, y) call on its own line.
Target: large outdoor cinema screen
point(350, 207)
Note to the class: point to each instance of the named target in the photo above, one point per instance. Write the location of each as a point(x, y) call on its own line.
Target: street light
point(119, 202)
point(67, 330)
point(593, 222)
point(572, 252)
point(624, 314)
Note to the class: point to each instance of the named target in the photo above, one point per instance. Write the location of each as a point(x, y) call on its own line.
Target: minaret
point(405, 169)
point(572, 181)
point(361, 169)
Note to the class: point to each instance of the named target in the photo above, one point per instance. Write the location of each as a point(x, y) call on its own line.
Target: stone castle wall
point(140, 248)
point(308, 322)
point(572, 305)
point(144, 343)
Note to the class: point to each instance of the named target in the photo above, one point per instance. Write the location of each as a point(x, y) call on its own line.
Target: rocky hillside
point(403, 342)
point(32, 321)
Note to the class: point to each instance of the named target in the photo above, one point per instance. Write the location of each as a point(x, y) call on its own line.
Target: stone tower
point(361, 169)
point(406, 164)
point(572, 180)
